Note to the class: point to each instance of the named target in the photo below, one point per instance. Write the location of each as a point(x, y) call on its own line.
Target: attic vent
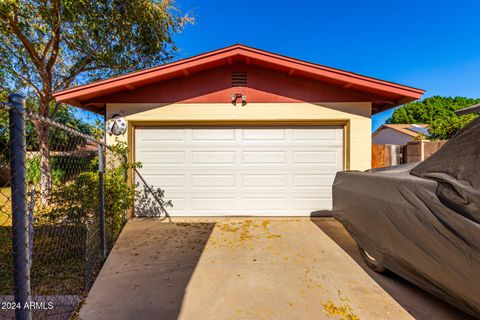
point(239, 79)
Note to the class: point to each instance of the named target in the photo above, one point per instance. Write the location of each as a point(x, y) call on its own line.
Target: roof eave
point(360, 82)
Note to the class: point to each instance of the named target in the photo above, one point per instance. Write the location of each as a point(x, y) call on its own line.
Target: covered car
point(421, 221)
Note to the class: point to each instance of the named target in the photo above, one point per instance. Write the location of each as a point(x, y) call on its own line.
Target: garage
point(243, 131)
point(254, 171)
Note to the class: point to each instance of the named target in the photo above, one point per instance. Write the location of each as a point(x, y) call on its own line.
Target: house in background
point(399, 134)
point(242, 131)
point(469, 110)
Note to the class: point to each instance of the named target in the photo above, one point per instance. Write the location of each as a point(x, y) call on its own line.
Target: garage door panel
point(211, 136)
point(242, 171)
point(161, 157)
point(155, 136)
point(265, 203)
point(214, 203)
point(252, 181)
point(213, 180)
point(263, 135)
point(165, 180)
point(306, 203)
point(264, 157)
point(315, 157)
point(317, 192)
point(179, 204)
point(213, 157)
point(315, 134)
point(312, 180)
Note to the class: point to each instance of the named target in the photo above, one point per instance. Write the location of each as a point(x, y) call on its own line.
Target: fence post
point(101, 194)
point(20, 217)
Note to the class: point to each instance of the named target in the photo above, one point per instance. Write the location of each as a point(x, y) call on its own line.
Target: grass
point(62, 264)
point(59, 255)
point(65, 256)
point(59, 262)
point(6, 282)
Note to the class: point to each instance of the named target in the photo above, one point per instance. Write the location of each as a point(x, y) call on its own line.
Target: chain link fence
point(63, 200)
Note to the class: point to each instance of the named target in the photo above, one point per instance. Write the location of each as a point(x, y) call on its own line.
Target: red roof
point(387, 94)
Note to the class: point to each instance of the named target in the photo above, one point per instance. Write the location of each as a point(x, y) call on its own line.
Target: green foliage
point(3, 137)
point(77, 201)
point(50, 45)
point(64, 168)
point(98, 129)
point(3, 128)
point(33, 172)
point(59, 138)
point(444, 129)
point(438, 113)
point(119, 196)
point(120, 148)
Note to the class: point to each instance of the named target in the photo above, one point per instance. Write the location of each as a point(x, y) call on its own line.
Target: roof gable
point(386, 94)
point(402, 128)
point(217, 86)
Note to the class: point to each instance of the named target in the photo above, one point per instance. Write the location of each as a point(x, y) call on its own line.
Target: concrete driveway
point(242, 268)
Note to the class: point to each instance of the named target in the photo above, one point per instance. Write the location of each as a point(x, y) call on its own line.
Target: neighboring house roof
point(408, 129)
point(472, 109)
point(386, 94)
point(88, 146)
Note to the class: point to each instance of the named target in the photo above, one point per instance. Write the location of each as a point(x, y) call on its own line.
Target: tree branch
point(81, 66)
point(67, 81)
point(18, 75)
point(47, 47)
point(55, 109)
point(19, 57)
point(13, 23)
point(56, 44)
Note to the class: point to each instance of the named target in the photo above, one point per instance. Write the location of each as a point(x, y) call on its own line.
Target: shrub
point(33, 172)
point(63, 167)
point(78, 201)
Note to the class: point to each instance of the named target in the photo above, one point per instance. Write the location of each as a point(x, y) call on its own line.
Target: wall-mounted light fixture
point(237, 96)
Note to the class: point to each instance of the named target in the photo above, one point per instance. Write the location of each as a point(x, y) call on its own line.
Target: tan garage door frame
point(132, 124)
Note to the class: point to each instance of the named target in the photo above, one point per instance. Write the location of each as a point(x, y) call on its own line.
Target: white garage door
point(242, 171)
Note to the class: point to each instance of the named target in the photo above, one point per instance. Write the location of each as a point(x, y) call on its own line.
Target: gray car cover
point(423, 220)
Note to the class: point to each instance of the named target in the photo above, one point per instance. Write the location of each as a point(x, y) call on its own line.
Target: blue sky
point(433, 45)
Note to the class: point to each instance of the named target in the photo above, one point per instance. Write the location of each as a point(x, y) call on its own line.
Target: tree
point(438, 112)
point(58, 137)
point(3, 129)
point(50, 45)
point(444, 129)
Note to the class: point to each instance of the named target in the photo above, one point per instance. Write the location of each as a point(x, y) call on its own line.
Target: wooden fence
point(385, 155)
point(420, 150)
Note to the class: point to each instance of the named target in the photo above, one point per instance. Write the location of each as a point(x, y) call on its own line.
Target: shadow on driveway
point(419, 303)
point(149, 270)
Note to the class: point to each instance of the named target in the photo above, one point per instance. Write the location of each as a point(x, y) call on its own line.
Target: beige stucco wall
point(356, 114)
